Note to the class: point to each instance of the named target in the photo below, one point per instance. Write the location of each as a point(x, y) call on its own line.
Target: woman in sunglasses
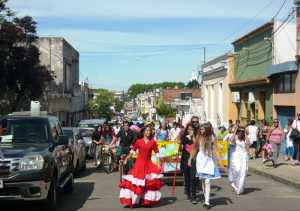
point(275, 137)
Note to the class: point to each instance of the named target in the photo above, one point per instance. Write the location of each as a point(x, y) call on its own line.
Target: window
point(28, 130)
point(186, 96)
point(285, 83)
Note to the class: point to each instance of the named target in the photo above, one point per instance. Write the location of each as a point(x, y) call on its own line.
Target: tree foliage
point(136, 89)
point(22, 78)
point(165, 110)
point(194, 84)
point(119, 105)
point(103, 103)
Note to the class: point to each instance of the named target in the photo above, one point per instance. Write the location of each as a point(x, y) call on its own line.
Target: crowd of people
point(199, 158)
point(268, 140)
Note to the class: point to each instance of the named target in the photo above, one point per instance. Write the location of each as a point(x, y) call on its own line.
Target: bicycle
point(104, 158)
point(126, 162)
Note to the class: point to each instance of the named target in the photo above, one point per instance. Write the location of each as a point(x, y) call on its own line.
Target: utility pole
point(204, 55)
point(200, 70)
point(297, 7)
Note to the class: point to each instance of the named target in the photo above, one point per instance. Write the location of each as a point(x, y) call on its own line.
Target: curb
point(275, 178)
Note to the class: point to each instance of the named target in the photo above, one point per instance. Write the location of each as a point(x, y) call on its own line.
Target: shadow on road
point(86, 173)
point(166, 201)
point(76, 200)
point(216, 188)
point(250, 190)
point(221, 201)
point(66, 202)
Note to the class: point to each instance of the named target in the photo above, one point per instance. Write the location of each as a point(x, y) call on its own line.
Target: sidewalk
point(286, 172)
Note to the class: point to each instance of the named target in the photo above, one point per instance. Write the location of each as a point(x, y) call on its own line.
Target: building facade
point(188, 102)
point(65, 96)
point(216, 90)
point(251, 87)
point(146, 103)
point(284, 74)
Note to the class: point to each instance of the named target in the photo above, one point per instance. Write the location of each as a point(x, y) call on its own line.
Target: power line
point(243, 26)
point(286, 20)
point(246, 25)
point(282, 6)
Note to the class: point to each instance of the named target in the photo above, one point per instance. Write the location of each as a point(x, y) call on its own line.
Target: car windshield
point(86, 132)
point(68, 132)
point(26, 130)
point(84, 125)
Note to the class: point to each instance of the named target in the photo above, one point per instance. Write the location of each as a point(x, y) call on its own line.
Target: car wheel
point(51, 201)
point(69, 187)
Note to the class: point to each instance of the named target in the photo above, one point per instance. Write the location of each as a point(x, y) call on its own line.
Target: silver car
point(87, 134)
point(78, 148)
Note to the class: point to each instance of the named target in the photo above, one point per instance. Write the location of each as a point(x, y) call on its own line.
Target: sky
point(122, 42)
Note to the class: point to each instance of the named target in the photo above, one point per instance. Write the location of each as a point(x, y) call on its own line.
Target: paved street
point(95, 190)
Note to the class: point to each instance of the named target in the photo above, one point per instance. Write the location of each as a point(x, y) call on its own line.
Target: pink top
point(276, 136)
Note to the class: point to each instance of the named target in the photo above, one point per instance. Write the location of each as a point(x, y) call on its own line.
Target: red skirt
point(141, 185)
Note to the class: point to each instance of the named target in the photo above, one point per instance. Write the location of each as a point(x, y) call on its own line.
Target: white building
point(146, 103)
point(65, 96)
point(215, 91)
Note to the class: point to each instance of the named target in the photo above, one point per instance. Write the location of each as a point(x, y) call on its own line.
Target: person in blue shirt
point(162, 134)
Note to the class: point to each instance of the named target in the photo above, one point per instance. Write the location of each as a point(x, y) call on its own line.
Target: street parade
point(137, 105)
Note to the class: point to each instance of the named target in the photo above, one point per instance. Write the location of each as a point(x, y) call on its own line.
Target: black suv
point(35, 159)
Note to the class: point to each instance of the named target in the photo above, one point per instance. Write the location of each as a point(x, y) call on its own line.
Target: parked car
point(86, 134)
point(35, 159)
point(78, 148)
point(94, 123)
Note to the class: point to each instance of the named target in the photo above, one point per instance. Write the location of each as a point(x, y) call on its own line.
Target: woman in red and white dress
point(141, 186)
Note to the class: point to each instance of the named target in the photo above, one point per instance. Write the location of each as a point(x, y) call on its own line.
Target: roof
point(170, 94)
point(260, 29)
point(289, 66)
point(216, 60)
point(27, 114)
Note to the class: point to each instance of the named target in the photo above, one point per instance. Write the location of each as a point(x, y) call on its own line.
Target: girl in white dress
point(204, 153)
point(239, 162)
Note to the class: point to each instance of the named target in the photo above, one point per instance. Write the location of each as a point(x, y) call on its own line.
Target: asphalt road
point(96, 190)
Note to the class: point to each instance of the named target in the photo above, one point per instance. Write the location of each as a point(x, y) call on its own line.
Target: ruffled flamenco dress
point(141, 186)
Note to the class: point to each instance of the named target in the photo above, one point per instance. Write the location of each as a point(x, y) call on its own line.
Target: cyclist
point(107, 134)
point(126, 138)
point(96, 141)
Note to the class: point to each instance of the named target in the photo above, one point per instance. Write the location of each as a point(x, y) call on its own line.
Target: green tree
point(194, 84)
point(103, 103)
point(136, 89)
point(22, 78)
point(165, 110)
point(119, 104)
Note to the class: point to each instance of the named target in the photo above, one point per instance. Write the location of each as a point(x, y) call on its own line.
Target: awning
point(289, 66)
point(253, 82)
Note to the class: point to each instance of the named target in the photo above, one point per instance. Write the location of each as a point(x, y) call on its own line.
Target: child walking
point(204, 154)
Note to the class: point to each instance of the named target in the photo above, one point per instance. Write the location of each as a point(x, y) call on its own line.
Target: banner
point(222, 152)
point(167, 154)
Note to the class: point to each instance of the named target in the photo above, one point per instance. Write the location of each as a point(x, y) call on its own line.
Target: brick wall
point(170, 94)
